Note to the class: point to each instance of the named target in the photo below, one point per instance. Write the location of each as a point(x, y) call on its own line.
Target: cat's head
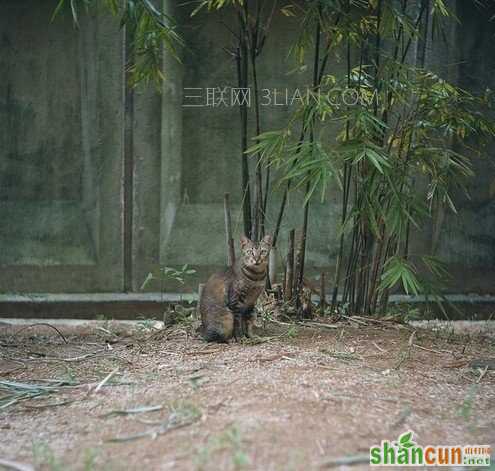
point(255, 254)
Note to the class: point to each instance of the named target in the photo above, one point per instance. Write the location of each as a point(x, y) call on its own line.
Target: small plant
point(291, 332)
point(344, 355)
point(466, 409)
point(183, 411)
point(231, 441)
point(89, 461)
point(145, 324)
point(197, 381)
point(44, 457)
point(164, 274)
point(176, 313)
point(71, 376)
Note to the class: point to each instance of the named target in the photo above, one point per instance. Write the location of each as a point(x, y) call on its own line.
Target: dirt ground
point(294, 401)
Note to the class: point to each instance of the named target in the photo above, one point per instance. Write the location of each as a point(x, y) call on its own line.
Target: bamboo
point(242, 65)
point(228, 231)
point(254, 49)
point(301, 251)
point(201, 287)
point(317, 80)
point(289, 277)
point(345, 202)
point(284, 281)
point(286, 192)
point(302, 247)
point(272, 266)
point(297, 270)
point(322, 294)
point(280, 214)
point(374, 270)
point(346, 190)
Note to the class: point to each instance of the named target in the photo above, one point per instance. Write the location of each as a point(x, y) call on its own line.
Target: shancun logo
point(405, 452)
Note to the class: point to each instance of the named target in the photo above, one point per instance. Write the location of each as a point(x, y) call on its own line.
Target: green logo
point(406, 452)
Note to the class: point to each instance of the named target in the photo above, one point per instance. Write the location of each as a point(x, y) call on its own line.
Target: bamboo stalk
point(242, 65)
point(347, 186)
point(286, 192)
point(289, 272)
point(322, 294)
point(346, 287)
point(280, 214)
point(318, 76)
point(301, 255)
point(254, 50)
point(201, 287)
point(228, 231)
point(374, 270)
point(284, 281)
point(301, 251)
point(272, 266)
point(345, 202)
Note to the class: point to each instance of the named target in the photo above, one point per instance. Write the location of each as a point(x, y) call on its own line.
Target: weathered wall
point(466, 241)
point(61, 153)
point(60, 150)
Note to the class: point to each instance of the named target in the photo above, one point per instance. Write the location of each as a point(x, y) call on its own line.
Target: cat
point(228, 298)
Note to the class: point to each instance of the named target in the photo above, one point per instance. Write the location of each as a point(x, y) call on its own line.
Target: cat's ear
point(268, 240)
point(245, 242)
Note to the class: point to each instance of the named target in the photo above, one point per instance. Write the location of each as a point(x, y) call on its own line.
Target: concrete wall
point(466, 241)
point(60, 151)
point(62, 139)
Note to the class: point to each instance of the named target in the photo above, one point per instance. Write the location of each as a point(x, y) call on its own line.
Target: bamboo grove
point(397, 156)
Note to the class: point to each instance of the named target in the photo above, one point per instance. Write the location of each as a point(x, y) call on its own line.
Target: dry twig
point(41, 324)
point(16, 466)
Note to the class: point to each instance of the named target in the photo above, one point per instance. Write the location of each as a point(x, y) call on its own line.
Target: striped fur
point(228, 299)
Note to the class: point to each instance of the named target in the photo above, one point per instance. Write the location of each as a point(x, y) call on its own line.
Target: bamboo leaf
point(57, 10)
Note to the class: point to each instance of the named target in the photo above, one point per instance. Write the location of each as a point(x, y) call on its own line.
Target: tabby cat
point(228, 298)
